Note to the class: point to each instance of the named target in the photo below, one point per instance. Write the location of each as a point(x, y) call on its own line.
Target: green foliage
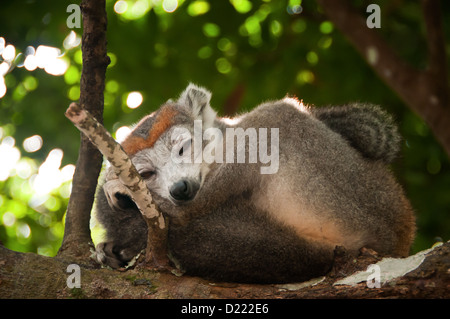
point(265, 48)
point(32, 201)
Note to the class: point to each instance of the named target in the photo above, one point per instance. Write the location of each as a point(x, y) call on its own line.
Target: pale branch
point(426, 92)
point(113, 152)
point(127, 174)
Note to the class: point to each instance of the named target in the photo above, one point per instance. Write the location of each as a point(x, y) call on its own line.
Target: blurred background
point(245, 52)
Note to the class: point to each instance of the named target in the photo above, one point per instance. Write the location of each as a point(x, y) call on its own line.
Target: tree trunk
point(77, 236)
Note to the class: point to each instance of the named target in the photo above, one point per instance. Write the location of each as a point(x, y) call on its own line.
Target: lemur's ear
point(197, 99)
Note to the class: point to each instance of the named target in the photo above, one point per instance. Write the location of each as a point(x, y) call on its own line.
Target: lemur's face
point(164, 150)
point(170, 168)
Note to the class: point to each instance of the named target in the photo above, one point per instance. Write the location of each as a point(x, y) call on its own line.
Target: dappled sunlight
point(9, 156)
point(170, 5)
point(198, 7)
point(134, 100)
point(42, 187)
point(23, 230)
point(50, 59)
point(136, 9)
point(305, 77)
point(44, 57)
point(242, 6)
point(33, 194)
point(49, 176)
point(120, 6)
point(132, 10)
point(8, 219)
point(9, 53)
point(72, 40)
point(2, 87)
point(122, 133)
point(46, 178)
point(32, 143)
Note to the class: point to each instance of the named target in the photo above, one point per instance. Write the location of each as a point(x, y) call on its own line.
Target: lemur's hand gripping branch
point(156, 254)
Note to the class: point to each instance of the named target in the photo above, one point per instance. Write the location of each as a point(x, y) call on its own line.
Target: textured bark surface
point(26, 275)
point(77, 235)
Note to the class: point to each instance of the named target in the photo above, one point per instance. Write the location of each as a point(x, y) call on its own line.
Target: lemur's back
point(329, 191)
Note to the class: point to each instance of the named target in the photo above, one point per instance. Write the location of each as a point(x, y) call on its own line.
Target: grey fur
point(248, 227)
point(367, 127)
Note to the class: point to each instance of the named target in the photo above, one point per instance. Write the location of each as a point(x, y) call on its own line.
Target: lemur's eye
point(186, 146)
point(147, 174)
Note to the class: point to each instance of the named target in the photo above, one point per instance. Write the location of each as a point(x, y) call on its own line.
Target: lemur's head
point(163, 146)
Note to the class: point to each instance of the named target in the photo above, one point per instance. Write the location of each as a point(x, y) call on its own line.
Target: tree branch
point(126, 172)
point(77, 235)
point(233, 101)
point(437, 64)
point(394, 71)
point(435, 38)
point(423, 92)
point(33, 276)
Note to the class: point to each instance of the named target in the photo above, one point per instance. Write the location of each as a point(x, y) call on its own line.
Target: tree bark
point(426, 92)
point(77, 235)
point(27, 275)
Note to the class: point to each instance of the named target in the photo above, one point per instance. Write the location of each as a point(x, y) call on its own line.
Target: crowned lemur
point(230, 221)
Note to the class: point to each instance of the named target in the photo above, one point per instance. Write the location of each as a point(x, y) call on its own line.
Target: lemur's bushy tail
point(366, 127)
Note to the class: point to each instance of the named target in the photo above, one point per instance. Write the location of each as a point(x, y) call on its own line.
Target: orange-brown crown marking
point(133, 144)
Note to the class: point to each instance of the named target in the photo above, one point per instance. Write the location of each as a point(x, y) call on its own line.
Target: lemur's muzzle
point(184, 190)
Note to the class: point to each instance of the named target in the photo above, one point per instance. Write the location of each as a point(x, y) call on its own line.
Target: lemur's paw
point(114, 256)
point(118, 195)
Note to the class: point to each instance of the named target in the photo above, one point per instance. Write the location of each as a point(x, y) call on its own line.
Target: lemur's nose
point(184, 190)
